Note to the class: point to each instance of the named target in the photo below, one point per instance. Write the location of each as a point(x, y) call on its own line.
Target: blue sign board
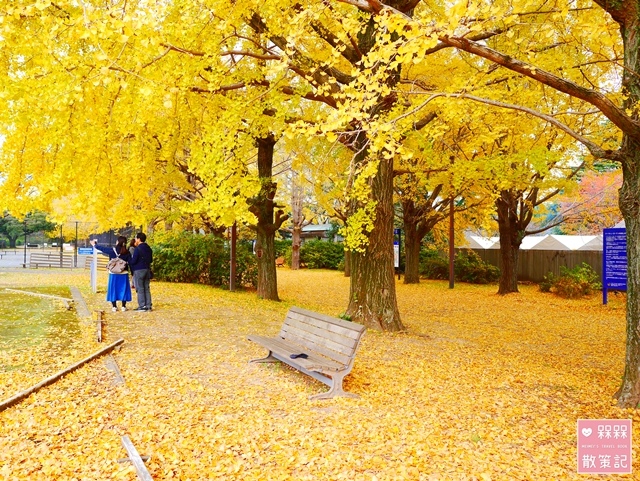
point(614, 261)
point(85, 251)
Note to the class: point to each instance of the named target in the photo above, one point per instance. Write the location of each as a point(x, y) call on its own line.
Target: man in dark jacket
point(141, 266)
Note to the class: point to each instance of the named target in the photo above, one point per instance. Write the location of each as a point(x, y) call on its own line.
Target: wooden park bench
point(49, 259)
point(330, 346)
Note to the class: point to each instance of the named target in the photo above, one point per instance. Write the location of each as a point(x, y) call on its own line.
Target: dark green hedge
point(204, 259)
point(467, 267)
point(318, 254)
point(282, 246)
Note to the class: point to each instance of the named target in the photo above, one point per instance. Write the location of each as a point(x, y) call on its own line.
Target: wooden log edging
point(81, 306)
point(50, 380)
point(67, 302)
point(135, 458)
point(112, 365)
point(39, 295)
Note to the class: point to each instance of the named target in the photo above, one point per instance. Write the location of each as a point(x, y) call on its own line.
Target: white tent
point(484, 242)
point(471, 242)
point(594, 244)
point(530, 241)
point(574, 242)
point(527, 242)
point(495, 243)
point(475, 241)
point(548, 243)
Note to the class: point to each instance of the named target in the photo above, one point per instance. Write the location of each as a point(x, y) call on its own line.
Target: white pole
point(94, 271)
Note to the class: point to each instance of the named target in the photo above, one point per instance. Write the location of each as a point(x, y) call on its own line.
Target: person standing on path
point(132, 248)
point(141, 265)
point(118, 288)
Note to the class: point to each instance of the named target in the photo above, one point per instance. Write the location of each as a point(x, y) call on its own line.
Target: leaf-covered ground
point(480, 387)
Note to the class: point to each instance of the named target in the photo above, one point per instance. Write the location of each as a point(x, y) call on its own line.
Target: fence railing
point(533, 264)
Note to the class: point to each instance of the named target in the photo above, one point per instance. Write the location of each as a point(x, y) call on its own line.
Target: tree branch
point(183, 50)
point(424, 121)
point(397, 172)
point(349, 53)
point(370, 6)
point(246, 53)
point(317, 77)
point(593, 148)
point(606, 106)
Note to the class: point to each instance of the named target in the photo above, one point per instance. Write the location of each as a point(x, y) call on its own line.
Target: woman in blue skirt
point(118, 288)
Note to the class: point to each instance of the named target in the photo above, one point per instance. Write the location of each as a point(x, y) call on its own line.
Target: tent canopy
point(544, 242)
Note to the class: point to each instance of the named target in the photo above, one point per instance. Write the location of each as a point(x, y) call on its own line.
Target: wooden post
point(451, 245)
point(98, 316)
point(99, 330)
point(24, 265)
point(451, 230)
point(75, 250)
point(232, 263)
point(61, 242)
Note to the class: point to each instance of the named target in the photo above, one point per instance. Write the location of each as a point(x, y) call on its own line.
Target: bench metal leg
point(269, 358)
point(335, 391)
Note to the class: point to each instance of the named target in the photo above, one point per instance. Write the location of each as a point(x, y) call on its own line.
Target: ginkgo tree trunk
point(372, 297)
point(372, 300)
point(532, 185)
point(298, 221)
point(264, 208)
point(512, 223)
point(418, 221)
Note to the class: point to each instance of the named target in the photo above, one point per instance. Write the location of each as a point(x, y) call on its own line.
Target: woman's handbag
point(117, 265)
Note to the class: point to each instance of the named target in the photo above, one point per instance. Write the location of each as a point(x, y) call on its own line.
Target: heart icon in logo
point(586, 432)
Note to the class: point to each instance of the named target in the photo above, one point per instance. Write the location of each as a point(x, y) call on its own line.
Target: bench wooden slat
point(49, 259)
point(313, 362)
point(343, 344)
point(308, 346)
point(329, 343)
point(316, 343)
point(346, 328)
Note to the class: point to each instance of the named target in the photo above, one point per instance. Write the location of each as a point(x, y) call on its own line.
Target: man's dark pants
point(142, 282)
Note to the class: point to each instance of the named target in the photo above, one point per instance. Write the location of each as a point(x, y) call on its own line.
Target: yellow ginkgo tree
point(587, 53)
